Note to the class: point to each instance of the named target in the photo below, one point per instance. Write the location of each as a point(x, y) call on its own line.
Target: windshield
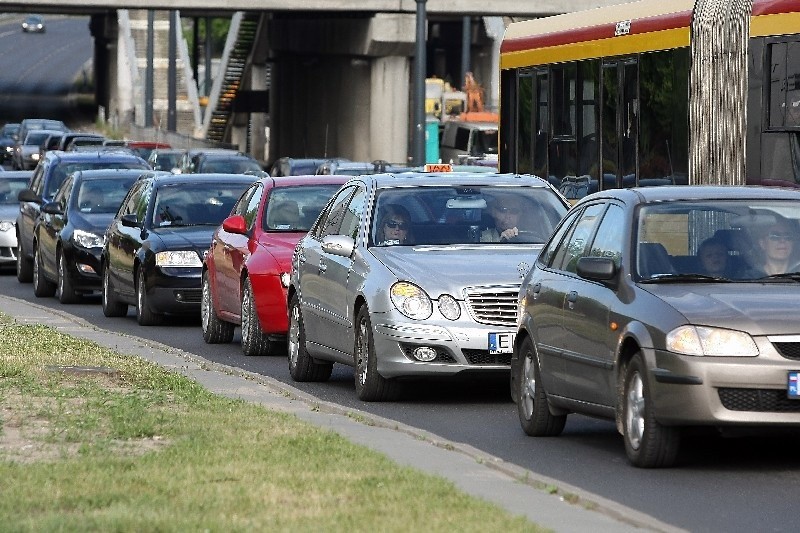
point(485, 142)
point(465, 215)
point(194, 204)
point(60, 172)
point(294, 209)
point(723, 240)
point(229, 166)
point(10, 188)
point(101, 195)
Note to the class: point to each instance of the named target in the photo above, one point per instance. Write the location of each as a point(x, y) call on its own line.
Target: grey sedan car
point(415, 274)
point(663, 308)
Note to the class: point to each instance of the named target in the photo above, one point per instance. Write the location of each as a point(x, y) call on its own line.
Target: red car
point(246, 270)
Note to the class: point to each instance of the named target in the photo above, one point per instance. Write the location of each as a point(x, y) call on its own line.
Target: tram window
point(784, 85)
point(525, 123)
point(563, 100)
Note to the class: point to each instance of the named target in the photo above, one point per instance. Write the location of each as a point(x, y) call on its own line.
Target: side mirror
point(129, 221)
point(52, 208)
point(341, 245)
point(235, 224)
point(600, 269)
point(27, 195)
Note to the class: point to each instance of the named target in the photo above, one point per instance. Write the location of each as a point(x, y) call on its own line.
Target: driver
point(505, 211)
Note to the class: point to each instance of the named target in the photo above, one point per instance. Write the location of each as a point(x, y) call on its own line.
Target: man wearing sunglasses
point(506, 212)
point(777, 244)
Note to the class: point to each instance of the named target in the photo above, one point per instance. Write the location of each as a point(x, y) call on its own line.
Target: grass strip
point(93, 440)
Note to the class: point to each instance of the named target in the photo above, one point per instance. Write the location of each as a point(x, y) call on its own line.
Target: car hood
point(93, 222)
point(196, 238)
point(448, 269)
point(9, 211)
point(757, 308)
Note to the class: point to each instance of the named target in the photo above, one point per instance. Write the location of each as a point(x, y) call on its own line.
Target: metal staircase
point(234, 59)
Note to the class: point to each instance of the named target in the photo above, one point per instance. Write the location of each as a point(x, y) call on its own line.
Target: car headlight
point(706, 341)
point(411, 300)
point(87, 239)
point(181, 258)
point(6, 225)
point(285, 278)
point(449, 307)
point(35, 156)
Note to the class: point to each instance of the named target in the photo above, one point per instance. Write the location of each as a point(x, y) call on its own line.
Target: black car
point(211, 163)
point(152, 257)
point(48, 176)
point(68, 237)
point(7, 141)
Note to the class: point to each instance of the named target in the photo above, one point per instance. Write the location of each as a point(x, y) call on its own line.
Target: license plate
point(793, 390)
point(503, 343)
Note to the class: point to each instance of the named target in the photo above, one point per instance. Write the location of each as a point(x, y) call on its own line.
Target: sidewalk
point(471, 470)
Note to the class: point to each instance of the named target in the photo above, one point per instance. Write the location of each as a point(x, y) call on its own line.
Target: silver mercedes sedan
point(414, 274)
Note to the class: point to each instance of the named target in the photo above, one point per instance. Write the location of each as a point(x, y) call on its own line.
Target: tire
point(42, 287)
point(254, 341)
point(66, 294)
point(111, 306)
point(647, 443)
point(24, 266)
point(144, 316)
point(302, 367)
point(370, 386)
point(532, 407)
point(215, 330)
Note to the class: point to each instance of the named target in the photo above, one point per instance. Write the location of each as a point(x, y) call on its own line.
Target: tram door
point(619, 122)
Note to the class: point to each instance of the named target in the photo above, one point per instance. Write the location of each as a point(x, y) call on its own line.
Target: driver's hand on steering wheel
point(509, 234)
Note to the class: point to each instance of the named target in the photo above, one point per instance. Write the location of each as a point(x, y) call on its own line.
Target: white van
point(464, 140)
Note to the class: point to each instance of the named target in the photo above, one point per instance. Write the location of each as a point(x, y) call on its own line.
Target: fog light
point(86, 269)
point(424, 353)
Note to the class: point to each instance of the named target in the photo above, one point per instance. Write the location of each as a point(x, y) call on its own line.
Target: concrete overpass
point(333, 76)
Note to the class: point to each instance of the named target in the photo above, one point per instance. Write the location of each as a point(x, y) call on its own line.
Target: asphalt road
point(743, 484)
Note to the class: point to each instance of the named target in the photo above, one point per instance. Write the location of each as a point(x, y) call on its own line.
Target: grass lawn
point(92, 440)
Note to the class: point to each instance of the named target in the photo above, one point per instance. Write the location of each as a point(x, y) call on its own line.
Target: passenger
point(505, 211)
point(285, 214)
point(394, 226)
point(777, 244)
point(714, 260)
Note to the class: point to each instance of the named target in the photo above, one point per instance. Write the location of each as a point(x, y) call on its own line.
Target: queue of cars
point(661, 308)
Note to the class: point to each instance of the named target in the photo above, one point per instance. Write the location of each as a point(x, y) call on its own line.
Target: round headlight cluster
point(411, 300)
point(449, 307)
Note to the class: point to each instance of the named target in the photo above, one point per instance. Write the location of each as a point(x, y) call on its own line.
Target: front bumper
point(174, 290)
point(462, 346)
point(83, 267)
point(750, 391)
point(8, 247)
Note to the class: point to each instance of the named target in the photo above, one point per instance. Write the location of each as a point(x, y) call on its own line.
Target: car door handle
point(572, 297)
point(322, 266)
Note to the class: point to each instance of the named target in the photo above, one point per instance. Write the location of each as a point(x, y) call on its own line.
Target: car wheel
point(24, 267)
point(215, 330)
point(254, 341)
point(302, 367)
point(66, 294)
point(647, 443)
point(111, 306)
point(144, 316)
point(534, 412)
point(42, 287)
point(370, 386)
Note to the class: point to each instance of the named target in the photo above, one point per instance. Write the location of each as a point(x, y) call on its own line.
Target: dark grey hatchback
point(663, 308)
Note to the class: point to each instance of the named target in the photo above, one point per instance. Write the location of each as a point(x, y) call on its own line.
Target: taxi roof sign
point(438, 167)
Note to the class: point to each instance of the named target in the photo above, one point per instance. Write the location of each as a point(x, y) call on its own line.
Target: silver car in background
point(11, 183)
point(439, 298)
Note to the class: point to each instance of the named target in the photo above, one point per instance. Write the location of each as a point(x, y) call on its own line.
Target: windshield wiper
point(692, 277)
point(793, 276)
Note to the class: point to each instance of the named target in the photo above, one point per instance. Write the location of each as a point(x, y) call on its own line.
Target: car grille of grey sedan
point(758, 400)
point(789, 350)
point(493, 305)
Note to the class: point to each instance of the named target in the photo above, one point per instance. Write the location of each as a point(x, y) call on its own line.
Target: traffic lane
point(730, 485)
